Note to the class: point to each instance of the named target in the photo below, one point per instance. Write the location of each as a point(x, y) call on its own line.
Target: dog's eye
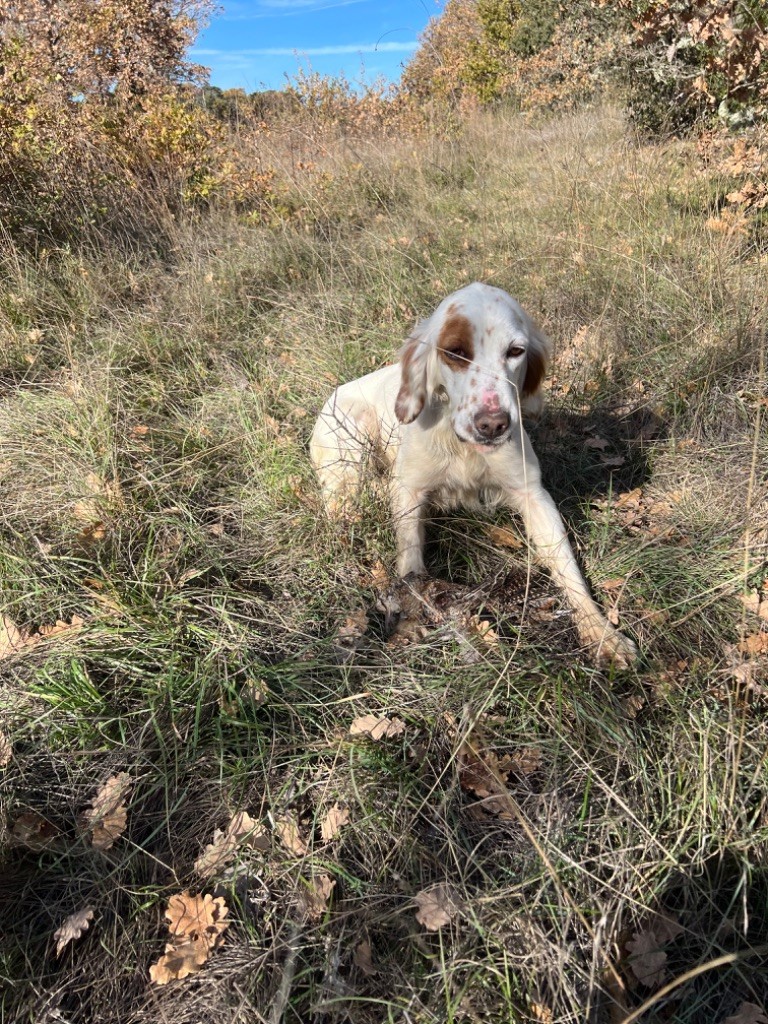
point(457, 355)
point(514, 351)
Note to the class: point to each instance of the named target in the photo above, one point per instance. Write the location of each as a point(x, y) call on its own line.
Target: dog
point(446, 422)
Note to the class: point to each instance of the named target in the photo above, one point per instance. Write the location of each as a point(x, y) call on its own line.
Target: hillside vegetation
point(236, 784)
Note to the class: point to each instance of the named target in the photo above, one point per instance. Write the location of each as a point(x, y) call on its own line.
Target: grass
point(154, 424)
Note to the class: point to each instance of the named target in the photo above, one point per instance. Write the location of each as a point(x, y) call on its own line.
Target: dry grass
point(155, 482)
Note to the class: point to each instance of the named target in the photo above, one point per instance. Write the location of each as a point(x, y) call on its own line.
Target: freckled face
point(481, 353)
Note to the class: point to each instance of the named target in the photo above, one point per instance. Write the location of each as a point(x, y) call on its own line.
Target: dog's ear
point(539, 353)
point(413, 375)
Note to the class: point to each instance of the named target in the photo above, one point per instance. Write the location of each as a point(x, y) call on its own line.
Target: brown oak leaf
point(242, 831)
point(196, 925)
point(107, 816)
point(647, 961)
point(313, 899)
point(289, 834)
point(363, 958)
point(73, 928)
point(437, 906)
point(377, 728)
point(333, 821)
point(34, 831)
point(748, 1013)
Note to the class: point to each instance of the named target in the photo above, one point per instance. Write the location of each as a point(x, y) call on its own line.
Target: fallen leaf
point(596, 442)
point(484, 630)
point(73, 928)
point(504, 537)
point(363, 958)
point(354, 627)
point(6, 749)
point(527, 760)
point(289, 834)
point(96, 493)
point(437, 906)
point(633, 705)
point(333, 821)
point(748, 1013)
point(73, 626)
point(647, 960)
point(756, 604)
point(12, 640)
point(613, 461)
point(377, 728)
point(755, 644)
point(34, 831)
point(107, 817)
point(242, 831)
point(314, 898)
point(542, 1013)
point(196, 925)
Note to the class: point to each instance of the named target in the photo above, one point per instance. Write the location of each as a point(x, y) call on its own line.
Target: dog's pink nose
point(491, 424)
point(490, 401)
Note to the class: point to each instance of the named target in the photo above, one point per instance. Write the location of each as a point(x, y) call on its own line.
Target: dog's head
point(480, 352)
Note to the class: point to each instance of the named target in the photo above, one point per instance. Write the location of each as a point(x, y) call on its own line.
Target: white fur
point(419, 419)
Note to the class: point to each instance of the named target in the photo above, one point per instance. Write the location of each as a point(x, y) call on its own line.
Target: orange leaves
point(108, 816)
point(196, 925)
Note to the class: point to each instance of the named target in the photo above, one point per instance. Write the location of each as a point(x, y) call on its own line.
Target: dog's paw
point(608, 644)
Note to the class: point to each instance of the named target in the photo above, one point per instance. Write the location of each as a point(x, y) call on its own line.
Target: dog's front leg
point(547, 535)
point(408, 508)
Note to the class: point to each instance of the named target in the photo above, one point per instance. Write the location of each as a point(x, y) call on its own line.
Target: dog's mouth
point(483, 445)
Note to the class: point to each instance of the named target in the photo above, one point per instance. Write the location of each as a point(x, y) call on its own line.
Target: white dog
point(447, 422)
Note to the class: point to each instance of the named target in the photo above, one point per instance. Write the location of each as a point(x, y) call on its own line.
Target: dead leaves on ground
point(376, 727)
point(14, 641)
point(641, 512)
point(748, 1013)
point(196, 925)
point(72, 929)
point(108, 815)
point(241, 832)
point(333, 822)
point(34, 831)
point(103, 822)
point(437, 905)
point(486, 776)
point(646, 958)
point(314, 896)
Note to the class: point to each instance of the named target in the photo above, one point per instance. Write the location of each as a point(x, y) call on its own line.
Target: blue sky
point(252, 44)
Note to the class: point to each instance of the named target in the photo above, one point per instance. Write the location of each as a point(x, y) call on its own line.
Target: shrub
point(698, 60)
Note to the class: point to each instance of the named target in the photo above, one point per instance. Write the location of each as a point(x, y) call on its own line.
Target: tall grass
point(156, 410)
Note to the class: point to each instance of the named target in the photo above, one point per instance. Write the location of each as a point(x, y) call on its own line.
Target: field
point(185, 637)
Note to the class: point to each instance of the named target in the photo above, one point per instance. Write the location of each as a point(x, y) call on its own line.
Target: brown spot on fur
point(412, 393)
point(456, 335)
point(534, 371)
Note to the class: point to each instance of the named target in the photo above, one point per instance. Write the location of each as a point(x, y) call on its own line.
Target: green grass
point(168, 399)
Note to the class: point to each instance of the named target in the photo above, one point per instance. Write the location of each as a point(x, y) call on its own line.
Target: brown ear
point(413, 378)
point(535, 369)
point(537, 361)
